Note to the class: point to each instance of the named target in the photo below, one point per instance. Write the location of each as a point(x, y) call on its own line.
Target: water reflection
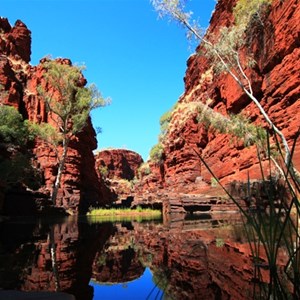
point(140, 288)
point(178, 259)
point(44, 255)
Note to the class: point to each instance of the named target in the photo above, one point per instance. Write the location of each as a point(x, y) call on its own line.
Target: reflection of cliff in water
point(201, 263)
point(119, 261)
point(187, 258)
point(27, 258)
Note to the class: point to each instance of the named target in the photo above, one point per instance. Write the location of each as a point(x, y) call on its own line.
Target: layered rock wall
point(119, 169)
point(275, 79)
point(80, 186)
point(119, 163)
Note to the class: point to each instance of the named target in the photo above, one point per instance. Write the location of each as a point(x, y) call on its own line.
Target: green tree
point(69, 104)
point(13, 130)
point(15, 163)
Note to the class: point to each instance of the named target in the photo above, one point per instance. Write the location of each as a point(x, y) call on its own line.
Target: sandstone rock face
point(120, 163)
point(275, 81)
point(80, 186)
point(15, 41)
point(118, 167)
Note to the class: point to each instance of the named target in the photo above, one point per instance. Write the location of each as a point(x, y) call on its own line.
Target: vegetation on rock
point(238, 126)
point(144, 170)
point(16, 166)
point(69, 104)
point(156, 153)
point(13, 129)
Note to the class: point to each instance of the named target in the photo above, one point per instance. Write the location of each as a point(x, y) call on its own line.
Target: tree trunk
point(60, 170)
point(51, 239)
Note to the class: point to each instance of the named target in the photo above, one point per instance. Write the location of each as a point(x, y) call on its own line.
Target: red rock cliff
point(276, 83)
point(120, 163)
point(80, 186)
point(118, 167)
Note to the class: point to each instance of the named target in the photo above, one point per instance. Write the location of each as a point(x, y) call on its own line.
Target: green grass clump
point(111, 212)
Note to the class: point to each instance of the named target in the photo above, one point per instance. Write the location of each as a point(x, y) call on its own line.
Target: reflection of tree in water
point(118, 261)
point(52, 246)
point(127, 258)
point(48, 257)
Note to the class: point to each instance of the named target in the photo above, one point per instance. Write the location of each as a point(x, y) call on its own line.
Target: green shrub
point(156, 153)
point(238, 125)
point(219, 242)
point(144, 170)
point(213, 182)
point(12, 127)
point(165, 119)
point(103, 170)
point(17, 167)
point(245, 10)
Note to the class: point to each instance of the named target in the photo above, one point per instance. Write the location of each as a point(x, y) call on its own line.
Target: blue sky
point(136, 59)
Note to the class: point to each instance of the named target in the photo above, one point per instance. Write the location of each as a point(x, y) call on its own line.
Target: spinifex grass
point(126, 212)
point(272, 224)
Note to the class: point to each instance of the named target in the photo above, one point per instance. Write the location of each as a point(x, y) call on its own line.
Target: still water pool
point(141, 288)
point(92, 258)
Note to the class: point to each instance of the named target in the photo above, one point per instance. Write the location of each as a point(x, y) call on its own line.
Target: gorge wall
point(119, 169)
point(276, 83)
point(80, 185)
point(180, 175)
point(118, 163)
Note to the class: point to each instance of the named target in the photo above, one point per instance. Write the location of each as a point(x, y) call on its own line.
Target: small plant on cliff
point(69, 104)
point(245, 10)
point(144, 170)
point(213, 182)
point(156, 153)
point(165, 120)
point(103, 170)
point(238, 125)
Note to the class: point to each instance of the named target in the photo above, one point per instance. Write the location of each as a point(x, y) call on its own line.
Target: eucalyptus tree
point(68, 103)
